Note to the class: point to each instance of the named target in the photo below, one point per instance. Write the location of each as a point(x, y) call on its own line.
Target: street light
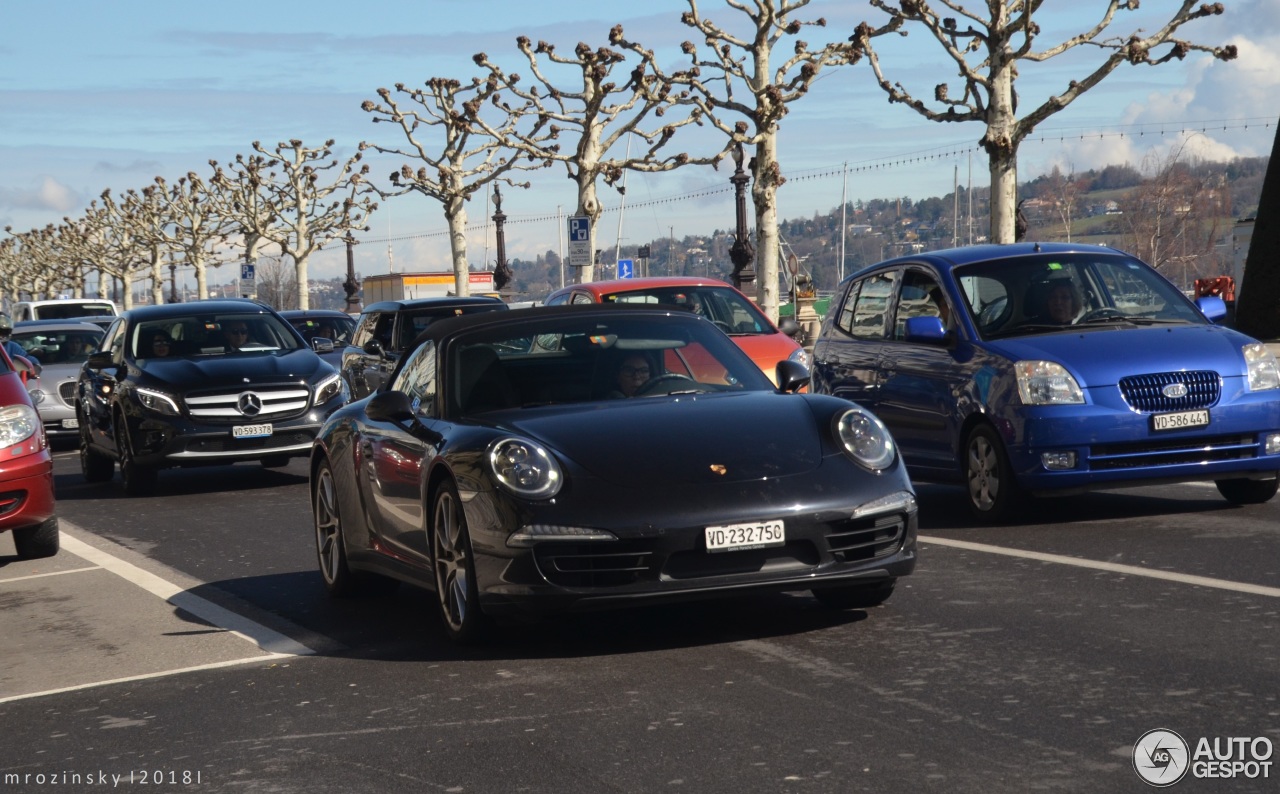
point(502, 271)
point(741, 253)
point(351, 286)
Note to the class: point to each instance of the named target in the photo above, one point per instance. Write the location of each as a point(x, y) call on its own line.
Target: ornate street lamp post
point(351, 286)
point(502, 273)
point(173, 282)
point(742, 253)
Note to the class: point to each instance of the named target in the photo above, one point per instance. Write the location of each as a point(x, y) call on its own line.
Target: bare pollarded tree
point(460, 132)
point(603, 114)
point(192, 222)
point(241, 196)
point(987, 48)
point(1173, 220)
point(737, 85)
point(32, 263)
point(308, 212)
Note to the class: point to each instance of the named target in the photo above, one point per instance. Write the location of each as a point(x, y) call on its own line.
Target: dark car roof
point(162, 311)
point(294, 314)
point(57, 325)
point(467, 322)
point(414, 303)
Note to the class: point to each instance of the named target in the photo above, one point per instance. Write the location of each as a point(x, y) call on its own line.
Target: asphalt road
point(189, 635)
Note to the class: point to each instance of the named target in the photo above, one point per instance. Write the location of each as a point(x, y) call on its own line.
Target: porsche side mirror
point(792, 376)
point(390, 406)
point(321, 345)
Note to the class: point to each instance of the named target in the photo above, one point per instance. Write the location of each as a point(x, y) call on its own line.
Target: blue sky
point(108, 95)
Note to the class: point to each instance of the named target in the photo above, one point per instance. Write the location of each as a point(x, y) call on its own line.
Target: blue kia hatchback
point(1050, 368)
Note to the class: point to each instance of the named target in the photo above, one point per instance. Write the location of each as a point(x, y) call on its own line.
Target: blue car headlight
point(1046, 383)
point(157, 401)
point(864, 439)
point(525, 469)
point(1264, 374)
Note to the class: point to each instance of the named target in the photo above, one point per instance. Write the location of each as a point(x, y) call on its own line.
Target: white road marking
point(50, 573)
point(146, 676)
point(1128, 570)
point(269, 640)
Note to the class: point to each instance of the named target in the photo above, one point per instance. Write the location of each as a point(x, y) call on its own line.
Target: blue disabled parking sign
point(626, 268)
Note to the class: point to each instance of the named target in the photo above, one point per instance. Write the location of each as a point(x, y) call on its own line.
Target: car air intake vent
point(866, 539)
point(593, 565)
point(1171, 391)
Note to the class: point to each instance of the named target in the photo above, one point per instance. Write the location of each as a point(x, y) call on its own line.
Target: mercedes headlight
point(17, 424)
point(525, 469)
point(1263, 372)
point(864, 439)
point(158, 401)
point(328, 389)
point(1046, 383)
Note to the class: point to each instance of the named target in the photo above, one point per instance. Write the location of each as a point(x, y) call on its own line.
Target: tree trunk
point(456, 213)
point(764, 195)
point(157, 277)
point(202, 281)
point(1256, 309)
point(1002, 154)
point(588, 205)
point(300, 273)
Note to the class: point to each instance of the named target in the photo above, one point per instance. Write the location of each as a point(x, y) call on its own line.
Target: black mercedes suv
point(201, 383)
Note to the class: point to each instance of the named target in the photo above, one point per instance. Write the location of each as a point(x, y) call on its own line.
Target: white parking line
point(271, 641)
point(146, 676)
point(1128, 570)
point(50, 573)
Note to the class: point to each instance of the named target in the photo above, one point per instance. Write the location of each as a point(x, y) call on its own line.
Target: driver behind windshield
point(1061, 303)
point(632, 373)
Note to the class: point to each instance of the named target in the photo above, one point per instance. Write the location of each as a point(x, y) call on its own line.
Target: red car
point(26, 470)
point(730, 310)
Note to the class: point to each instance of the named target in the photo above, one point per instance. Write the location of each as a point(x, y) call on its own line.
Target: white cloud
point(48, 195)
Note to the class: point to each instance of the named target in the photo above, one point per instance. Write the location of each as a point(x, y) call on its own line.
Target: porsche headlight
point(1263, 372)
point(864, 439)
point(17, 424)
point(157, 401)
point(328, 389)
point(1046, 383)
point(525, 469)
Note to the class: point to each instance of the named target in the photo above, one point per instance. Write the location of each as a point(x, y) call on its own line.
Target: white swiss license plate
point(250, 431)
point(736, 537)
point(70, 424)
point(1181, 420)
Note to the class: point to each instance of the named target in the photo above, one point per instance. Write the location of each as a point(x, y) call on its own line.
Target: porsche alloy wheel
point(331, 549)
point(994, 495)
point(138, 480)
point(455, 569)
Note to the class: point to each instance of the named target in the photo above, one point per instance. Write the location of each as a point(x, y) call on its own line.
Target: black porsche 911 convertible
point(575, 457)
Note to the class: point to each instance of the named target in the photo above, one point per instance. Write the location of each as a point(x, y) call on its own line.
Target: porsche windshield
point(572, 359)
